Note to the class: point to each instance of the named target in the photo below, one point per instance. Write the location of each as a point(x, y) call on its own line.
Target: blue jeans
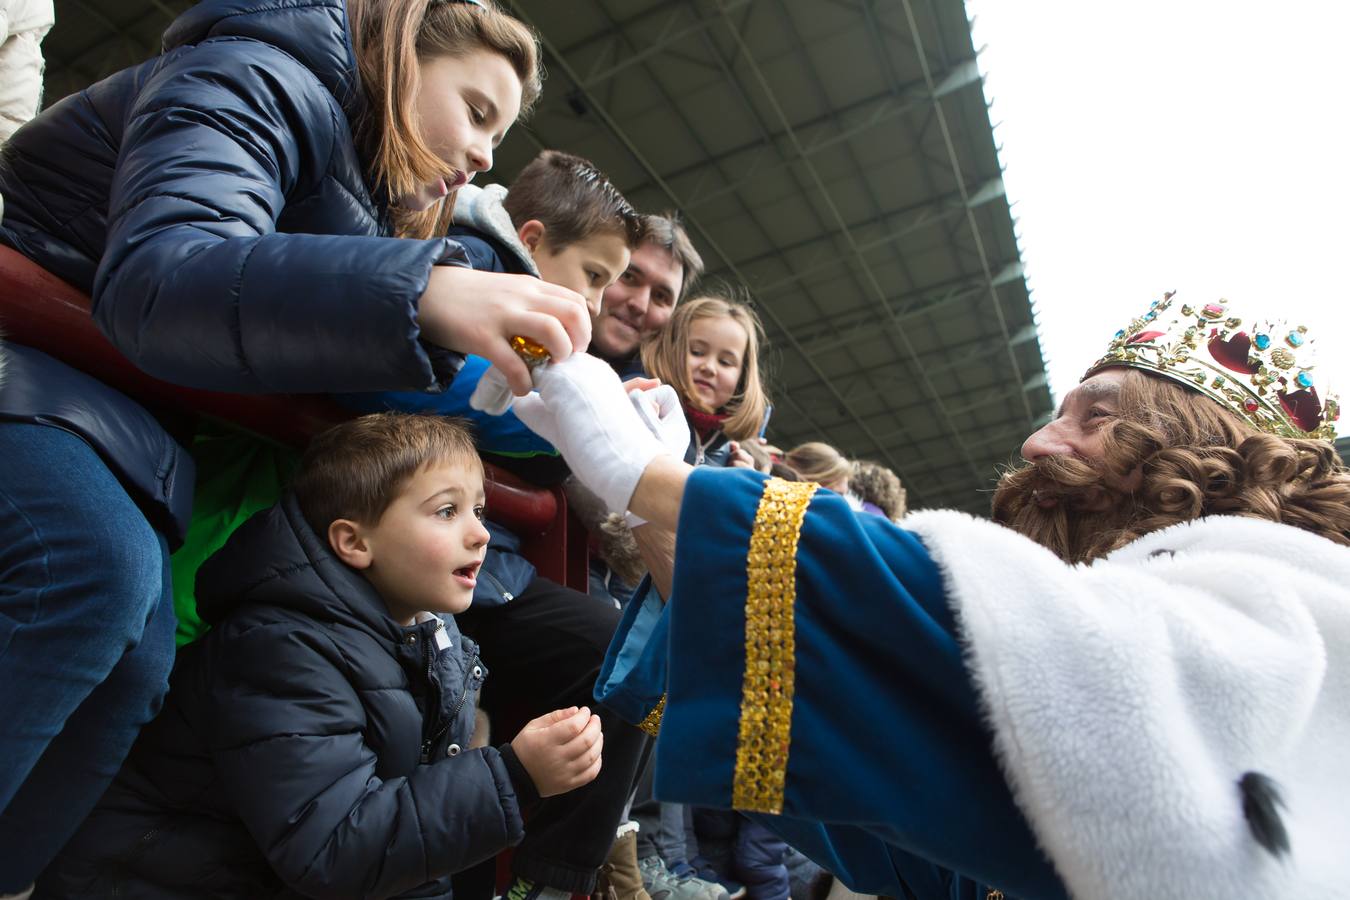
point(86, 638)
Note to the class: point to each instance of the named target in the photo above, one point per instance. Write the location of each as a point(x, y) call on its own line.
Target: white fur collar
point(1129, 696)
point(482, 208)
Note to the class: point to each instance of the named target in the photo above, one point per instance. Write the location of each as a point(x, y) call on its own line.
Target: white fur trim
point(1128, 697)
point(483, 208)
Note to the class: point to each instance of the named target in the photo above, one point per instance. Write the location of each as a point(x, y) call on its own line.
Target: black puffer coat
point(213, 203)
point(309, 746)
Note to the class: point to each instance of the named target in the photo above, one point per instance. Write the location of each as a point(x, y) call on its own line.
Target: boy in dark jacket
point(314, 741)
point(563, 221)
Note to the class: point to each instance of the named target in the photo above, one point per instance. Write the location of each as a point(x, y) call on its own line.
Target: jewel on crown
point(1262, 370)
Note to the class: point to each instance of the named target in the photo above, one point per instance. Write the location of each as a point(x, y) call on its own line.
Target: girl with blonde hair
point(710, 354)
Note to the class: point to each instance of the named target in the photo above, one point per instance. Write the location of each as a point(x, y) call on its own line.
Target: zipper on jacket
point(507, 596)
point(464, 696)
point(450, 719)
point(429, 654)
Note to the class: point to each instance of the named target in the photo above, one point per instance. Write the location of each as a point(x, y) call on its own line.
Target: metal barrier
point(42, 311)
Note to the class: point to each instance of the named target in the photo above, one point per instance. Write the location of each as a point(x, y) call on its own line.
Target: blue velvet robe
point(891, 781)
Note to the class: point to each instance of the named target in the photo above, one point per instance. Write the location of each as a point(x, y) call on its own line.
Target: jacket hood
point(484, 209)
point(276, 559)
point(315, 32)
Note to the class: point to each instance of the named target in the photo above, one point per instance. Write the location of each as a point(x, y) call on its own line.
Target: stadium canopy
point(836, 157)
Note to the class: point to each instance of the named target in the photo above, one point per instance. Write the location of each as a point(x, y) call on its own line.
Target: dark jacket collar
point(276, 559)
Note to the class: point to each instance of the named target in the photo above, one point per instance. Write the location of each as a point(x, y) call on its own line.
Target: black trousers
point(543, 652)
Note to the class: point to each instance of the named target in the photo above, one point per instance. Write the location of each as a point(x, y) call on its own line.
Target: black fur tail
point(1261, 804)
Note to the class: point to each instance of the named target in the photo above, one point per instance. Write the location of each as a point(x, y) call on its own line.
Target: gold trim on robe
point(770, 648)
point(652, 723)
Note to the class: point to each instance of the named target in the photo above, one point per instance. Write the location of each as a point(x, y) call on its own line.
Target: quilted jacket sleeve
point(196, 285)
point(288, 745)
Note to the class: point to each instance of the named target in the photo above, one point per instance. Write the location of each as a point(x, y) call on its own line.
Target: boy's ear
point(349, 543)
point(531, 234)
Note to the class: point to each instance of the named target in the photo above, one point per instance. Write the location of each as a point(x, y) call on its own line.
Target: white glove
point(583, 410)
point(492, 394)
point(659, 409)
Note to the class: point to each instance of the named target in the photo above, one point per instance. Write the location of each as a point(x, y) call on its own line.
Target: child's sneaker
point(735, 890)
point(662, 884)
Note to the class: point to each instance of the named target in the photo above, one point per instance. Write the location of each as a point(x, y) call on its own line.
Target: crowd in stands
point(322, 669)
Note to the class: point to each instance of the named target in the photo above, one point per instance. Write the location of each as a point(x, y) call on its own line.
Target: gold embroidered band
point(770, 648)
point(652, 724)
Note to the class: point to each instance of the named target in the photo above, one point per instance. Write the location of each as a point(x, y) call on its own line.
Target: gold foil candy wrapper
point(531, 353)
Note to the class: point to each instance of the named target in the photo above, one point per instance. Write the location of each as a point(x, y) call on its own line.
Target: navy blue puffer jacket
point(213, 202)
point(310, 746)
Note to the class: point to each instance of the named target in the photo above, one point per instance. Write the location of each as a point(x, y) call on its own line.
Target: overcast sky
point(1185, 145)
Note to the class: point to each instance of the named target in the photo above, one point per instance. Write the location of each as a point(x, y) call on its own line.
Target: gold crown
point(1261, 370)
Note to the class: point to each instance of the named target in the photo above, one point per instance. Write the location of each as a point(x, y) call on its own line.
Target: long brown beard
point(1066, 505)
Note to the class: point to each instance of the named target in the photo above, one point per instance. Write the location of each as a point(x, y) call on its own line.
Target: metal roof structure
point(834, 156)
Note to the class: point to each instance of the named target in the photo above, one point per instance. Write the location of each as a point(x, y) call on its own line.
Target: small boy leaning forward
point(563, 221)
point(314, 742)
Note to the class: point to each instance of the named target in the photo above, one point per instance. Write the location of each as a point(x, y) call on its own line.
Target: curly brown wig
point(1195, 459)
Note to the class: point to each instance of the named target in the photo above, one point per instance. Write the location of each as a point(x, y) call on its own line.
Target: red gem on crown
point(1234, 354)
point(1144, 337)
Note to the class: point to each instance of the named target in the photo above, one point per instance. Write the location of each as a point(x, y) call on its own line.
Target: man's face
point(1068, 496)
point(424, 553)
point(588, 266)
point(639, 304)
point(1077, 427)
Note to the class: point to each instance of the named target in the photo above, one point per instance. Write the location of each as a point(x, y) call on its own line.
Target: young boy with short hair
point(561, 220)
point(315, 740)
point(564, 221)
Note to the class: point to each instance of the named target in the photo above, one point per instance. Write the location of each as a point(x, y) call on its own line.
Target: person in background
point(638, 306)
point(819, 462)
point(711, 353)
point(878, 488)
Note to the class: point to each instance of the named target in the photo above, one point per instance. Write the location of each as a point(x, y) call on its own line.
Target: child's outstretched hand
point(739, 457)
point(560, 750)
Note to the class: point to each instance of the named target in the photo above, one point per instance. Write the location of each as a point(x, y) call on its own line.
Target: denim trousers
point(86, 638)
